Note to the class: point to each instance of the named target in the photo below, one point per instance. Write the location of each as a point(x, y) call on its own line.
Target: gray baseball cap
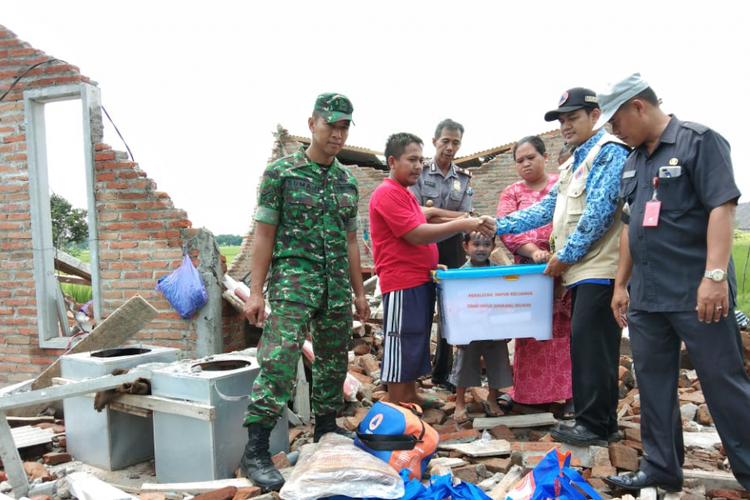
point(618, 94)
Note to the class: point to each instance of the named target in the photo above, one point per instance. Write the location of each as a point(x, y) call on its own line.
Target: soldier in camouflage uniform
point(306, 230)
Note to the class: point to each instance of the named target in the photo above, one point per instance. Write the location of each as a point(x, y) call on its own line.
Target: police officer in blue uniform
point(675, 251)
point(444, 193)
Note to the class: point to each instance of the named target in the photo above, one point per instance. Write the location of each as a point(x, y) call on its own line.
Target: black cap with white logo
point(575, 98)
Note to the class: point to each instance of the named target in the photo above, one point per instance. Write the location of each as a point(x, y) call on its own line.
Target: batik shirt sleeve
point(602, 198)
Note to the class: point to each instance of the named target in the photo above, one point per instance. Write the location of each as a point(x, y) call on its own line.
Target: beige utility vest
point(601, 260)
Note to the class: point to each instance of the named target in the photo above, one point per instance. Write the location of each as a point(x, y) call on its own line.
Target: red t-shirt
point(394, 211)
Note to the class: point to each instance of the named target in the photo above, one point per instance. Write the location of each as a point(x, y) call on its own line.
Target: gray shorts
point(467, 368)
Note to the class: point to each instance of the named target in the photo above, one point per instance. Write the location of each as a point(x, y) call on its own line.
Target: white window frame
point(45, 281)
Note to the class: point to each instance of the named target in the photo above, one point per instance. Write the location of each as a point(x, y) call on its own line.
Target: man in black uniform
point(675, 250)
point(444, 193)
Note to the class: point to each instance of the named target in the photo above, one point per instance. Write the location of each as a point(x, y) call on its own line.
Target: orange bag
point(398, 435)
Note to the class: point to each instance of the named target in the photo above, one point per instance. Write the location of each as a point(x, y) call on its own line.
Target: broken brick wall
point(488, 181)
point(141, 236)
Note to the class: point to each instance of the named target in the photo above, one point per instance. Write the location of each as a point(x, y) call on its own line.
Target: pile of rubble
point(494, 453)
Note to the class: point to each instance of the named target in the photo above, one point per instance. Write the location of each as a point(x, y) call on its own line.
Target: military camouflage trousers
point(279, 351)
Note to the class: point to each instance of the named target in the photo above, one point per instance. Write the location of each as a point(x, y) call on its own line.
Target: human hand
point(713, 300)
point(619, 304)
point(255, 309)
point(428, 212)
point(442, 267)
point(540, 256)
point(481, 226)
point(555, 267)
point(560, 292)
point(362, 308)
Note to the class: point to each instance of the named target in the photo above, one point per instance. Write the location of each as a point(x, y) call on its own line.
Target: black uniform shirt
point(670, 259)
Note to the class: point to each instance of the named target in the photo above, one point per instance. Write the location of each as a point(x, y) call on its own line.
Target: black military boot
point(327, 423)
point(256, 462)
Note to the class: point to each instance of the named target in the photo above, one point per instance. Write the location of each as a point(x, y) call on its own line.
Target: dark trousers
point(451, 253)
point(716, 353)
point(595, 355)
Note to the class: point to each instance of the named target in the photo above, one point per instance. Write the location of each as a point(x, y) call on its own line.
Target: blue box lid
point(488, 272)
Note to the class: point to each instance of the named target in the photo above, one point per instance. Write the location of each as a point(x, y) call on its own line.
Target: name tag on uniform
point(651, 215)
point(628, 174)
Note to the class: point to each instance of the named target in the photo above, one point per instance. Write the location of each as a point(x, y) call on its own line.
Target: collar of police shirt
point(435, 169)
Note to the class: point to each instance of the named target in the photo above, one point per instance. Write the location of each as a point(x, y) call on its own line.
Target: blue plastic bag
point(553, 478)
point(440, 488)
point(184, 288)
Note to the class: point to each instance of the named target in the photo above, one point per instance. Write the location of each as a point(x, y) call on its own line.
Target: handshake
point(483, 226)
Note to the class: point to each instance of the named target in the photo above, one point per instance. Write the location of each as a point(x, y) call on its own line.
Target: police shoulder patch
point(464, 171)
point(696, 127)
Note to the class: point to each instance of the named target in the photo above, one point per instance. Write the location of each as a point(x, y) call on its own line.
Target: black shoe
point(327, 423)
point(637, 480)
point(614, 437)
point(579, 435)
point(444, 383)
point(256, 463)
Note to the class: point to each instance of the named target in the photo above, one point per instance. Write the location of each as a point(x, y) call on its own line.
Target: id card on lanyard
point(653, 207)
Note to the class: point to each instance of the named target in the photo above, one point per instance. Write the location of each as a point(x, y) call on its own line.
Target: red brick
point(56, 458)
point(116, 245)
point(623, 457)
point(246, 493)
point(134, 215)
point(152, 496)
point(149, 225)
point(460, 436)
point(105, 176)
point(525, 446)
point(226, 493)
point(36, 470)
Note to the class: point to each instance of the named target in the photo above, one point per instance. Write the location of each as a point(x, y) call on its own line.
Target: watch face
point(717, 275)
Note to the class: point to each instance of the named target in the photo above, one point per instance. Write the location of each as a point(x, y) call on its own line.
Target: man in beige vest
point(584, 209)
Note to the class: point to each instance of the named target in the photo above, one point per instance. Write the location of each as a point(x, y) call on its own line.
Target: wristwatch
point(717, 275)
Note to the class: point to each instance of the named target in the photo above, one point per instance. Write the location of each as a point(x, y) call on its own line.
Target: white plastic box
point(492, 303)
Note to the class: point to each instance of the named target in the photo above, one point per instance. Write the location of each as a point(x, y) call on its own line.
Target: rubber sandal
point(489, 412)
point(505, 402)
point(463, 420)
point(431, 403)
point(569, 412)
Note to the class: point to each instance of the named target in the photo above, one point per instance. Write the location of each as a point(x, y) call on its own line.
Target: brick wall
point(488, 181)
point(20, 354)
point(141, 236)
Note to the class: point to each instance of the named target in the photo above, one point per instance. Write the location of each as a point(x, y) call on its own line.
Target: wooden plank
point(516, 421)
point(21, 421)
point(197, 487)
point(29, 435)
point(11, 459)
point(713, 480)
point(73, 280)
point(501, 489)
point(70, 265)
point(480, 448)
point(302, 394)
point(62, 311)
point(121, 325)
point(49, 394)
point(157, 403)
point(84, 486)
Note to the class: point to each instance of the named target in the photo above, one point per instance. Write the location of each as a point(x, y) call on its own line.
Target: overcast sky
point(197, 88)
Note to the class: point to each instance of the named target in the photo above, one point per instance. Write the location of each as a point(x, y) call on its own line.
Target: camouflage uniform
point(313, 208)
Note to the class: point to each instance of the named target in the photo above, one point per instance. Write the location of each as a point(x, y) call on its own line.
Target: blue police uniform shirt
point(669, 260)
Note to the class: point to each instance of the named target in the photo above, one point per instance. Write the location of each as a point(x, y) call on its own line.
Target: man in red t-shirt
point(404, 251)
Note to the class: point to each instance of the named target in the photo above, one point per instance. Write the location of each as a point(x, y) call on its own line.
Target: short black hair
point(450, 125)
point(467, 238)
point(396, 144)
point(649, 96)
point(534, 140)
point(566, 149)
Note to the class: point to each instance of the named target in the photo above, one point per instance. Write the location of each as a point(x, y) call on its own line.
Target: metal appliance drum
point(190, 449)
point(109, 439)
